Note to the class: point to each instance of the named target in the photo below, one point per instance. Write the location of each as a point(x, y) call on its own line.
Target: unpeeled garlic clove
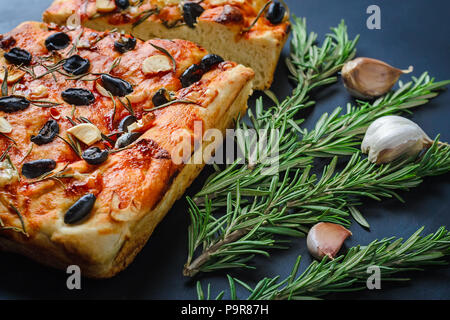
point(368, 78)
point(391, 137)
point(86, 133)
point(326, 239)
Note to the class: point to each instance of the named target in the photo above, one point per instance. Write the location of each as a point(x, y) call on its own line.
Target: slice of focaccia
point(90, 125)
point(226, 27)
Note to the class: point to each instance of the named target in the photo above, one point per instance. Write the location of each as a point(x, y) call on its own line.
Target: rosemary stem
point(192, 269)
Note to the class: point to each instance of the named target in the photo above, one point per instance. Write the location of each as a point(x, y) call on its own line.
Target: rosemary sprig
point(260, 13)
point(349, 272)
point(127, 105)
point(22, 222)
point(58, 176)
point(145, 15)
point(257, 208)
point(335, 134)
point(291, 203)
point(174, 24)
point(69, 141)
point(28, 152)
point(8, 137)
point(5, 153)
point(44, 103)
point(314, 67)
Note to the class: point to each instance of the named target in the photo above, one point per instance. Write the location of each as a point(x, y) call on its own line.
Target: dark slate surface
point(414, 32)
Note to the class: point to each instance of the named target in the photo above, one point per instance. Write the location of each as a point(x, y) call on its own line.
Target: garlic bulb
point(326, 239)
point(390, 137)
point(368, 78)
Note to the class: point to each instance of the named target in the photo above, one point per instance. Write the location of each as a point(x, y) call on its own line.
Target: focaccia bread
point(90, 123)
point(225, 27)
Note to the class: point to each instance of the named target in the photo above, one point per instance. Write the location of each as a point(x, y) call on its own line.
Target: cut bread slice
point(135, 186)
point(224, 27)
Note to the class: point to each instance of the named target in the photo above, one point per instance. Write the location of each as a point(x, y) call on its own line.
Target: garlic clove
point(73, 22)
point(14, 74)
point(142, 125)
point(326, 239)
point(155, 64)
point(105, 5)
point(39, 92)
point(368, 78)
point(86, 133)
point(391, 137)
point(5, 126)
point(8, 175)
point(102, 90)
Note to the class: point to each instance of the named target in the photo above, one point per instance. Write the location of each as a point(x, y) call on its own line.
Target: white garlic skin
point(368, 78)
point(326, 239)
point(390, 137)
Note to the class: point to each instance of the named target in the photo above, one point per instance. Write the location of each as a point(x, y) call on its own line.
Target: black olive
point(116, 86)
point(80, 210)
point(125, 44)
point(47, 134)
point(127, 139)
point(57, 41)
point(209, 61)
point(122, 4)
point(126, 122)
point(192, 74)
point(11, 104)
point(78, 97)
point(76, 65)
point(18, 57)
point(35, 169)
point(275, 13)
point(161, 97)
point(95, 156)
point(191, 11)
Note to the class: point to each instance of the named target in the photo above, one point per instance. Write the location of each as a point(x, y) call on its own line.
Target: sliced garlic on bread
point(157, 63)
point(105, 5)
point(5, 126)
point(86, 133)
point(8, 175)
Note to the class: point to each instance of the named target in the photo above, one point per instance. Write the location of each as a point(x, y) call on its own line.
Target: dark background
point(413, 32)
